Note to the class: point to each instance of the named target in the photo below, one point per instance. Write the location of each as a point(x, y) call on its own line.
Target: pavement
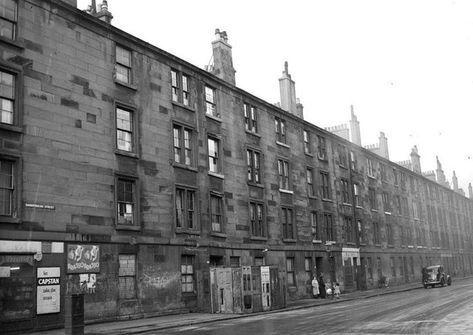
point(144, 325)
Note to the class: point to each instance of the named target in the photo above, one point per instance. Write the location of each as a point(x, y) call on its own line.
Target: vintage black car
point(435, 275)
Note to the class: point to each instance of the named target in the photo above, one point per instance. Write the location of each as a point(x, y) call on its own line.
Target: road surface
point(440, 310)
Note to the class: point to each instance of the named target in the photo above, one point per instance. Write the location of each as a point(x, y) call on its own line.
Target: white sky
point(405, 65)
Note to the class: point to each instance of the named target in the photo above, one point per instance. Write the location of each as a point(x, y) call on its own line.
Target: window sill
point(177, 103)
point(359, 207)
point(343, 166)
point(317, 241)
point(185, 167)
point(371, 177)
point(216, 175)
point(15, 43)
point(126, 153)
point(127, 227)
point(289, 240)
point(252, 133)
point(185, 231)
point(127, 85)
point(309, 154)
point(9, 219)
point(255, 184)
point(312, 197)
point(322, 158)
point(218, 234)
point(258, 238)
point(347, 204)
point(388, 213)
point(351, 244)
point(213, 117)
point(410, 247)
point(11, 127)
point(374, 210)
point(286, 191)
point(283, 144)
point(327, 200)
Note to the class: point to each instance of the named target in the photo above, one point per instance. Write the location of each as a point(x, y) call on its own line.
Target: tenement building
point(130, 175)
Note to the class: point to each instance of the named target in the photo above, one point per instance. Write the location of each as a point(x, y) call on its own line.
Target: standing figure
point(315, 287)
point(322, 287)
point(336, 290)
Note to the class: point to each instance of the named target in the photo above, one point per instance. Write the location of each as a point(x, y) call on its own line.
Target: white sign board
point(4, 271)
point(48, 290)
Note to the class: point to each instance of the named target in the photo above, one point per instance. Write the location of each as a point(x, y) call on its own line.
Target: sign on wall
point(83, 258)
point(48, 297)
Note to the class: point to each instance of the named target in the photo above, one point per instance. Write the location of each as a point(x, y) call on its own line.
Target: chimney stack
point(415, 160)
point(383, 145)
point(455, 182)
point(440, 174)
point(470, 191)
point(222, 55)
point(355, 128)
point(287, 89)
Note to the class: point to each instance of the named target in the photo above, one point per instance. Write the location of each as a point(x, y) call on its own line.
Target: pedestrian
point(322, 287)
point(336, 290)
point(315, 287)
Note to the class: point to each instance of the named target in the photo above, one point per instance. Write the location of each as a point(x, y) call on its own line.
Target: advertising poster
point(83, 258)
point(48, 296)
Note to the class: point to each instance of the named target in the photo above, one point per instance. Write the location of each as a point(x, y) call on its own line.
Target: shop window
point(127, 276)
point(187, 274)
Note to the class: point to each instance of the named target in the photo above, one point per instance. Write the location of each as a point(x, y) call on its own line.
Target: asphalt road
point(440, 310)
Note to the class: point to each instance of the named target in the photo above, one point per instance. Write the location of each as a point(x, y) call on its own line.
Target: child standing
point(336, 290)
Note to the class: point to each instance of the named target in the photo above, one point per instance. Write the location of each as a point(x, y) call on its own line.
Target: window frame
point(185, 153)
point(120, 64)
point(257, 224)
point(311, 189)
point(322, 148)
point(132, 131)
point(14, 190)
point(370, 167)
point(217, 158)
point(376, 233)
point(315, 227)
point(13, 99)
point(291, 271)
point(284, 174)
point(253, 161)
point(13, 21)
point(188, 260)
point(387, 203)
point(342, 156)
point(287, 223)
point(357, 195)
point(280, 130)
point(328, 227)
point(211, 107)
point(127, 275)
point(217, 225)
point(186, 211)
point(325, 185)
point(372, 198)
point(345, 191)
point(250, 115)
point(135, 225)
point(306, 141)
point(350, 230)
point(180, 87)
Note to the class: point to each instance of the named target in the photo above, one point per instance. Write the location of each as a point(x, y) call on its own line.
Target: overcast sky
point(405, 65)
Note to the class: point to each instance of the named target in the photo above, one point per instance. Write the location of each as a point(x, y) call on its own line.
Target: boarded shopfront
point(246, 289)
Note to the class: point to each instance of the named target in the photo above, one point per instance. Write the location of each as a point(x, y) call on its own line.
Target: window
point(308, 266)
point(372, 198)
point(257, 219)
point(314, 222)
point(371, 170)
point(328, 227)
point(396, 177)
point(123, 64)
point(382, 168)
point(187, 274)
point(310, 182)
point(183, 145)
point(361, 231)
point(127, 276)
point(386, 203)
point(306, 136)
point(370, 267)
point(251, 122)
point(7, 188)
point(214, 150)
point(403, 181)
point(210, 102)
point(325, 185)
point(287, 223)
point(397, 200)
point(352, 160)
point(234, 261)
point(280, 128)
point(283, 172)
point(390, 235)
point(7, 97)
point(124, 129)
point(321, 148)
point(345, 190)
point(126, 201)
point(393, 266)
point(185, 208)
point(216, 212)
point(254, 168)
point(8, 18)
point(180, 87)
point(350, 229)
point(342, 156)
point(356, 191)
point(416, 209)
point(291, 274)
point(376, 235)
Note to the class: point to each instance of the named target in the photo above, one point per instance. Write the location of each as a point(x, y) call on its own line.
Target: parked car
point(435, 275)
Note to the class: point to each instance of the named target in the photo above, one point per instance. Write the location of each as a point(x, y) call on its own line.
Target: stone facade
point(119, 144)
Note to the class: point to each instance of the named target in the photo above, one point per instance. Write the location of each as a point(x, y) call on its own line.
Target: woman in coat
point(315, 287)
point(322, 287)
